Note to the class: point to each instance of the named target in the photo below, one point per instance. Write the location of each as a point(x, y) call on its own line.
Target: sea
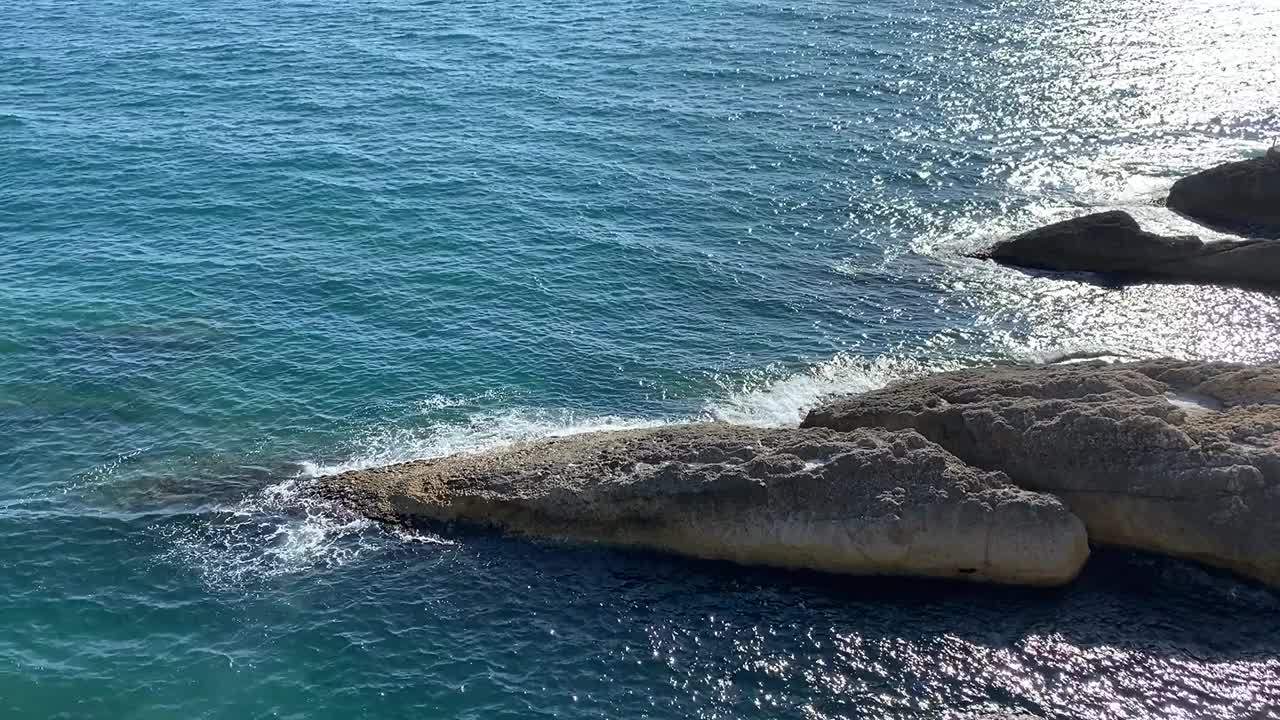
point(248, 243)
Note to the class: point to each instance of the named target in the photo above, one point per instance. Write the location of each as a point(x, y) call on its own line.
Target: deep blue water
point(246, 243)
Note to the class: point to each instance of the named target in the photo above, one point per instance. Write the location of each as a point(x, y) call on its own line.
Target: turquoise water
point(248, 243)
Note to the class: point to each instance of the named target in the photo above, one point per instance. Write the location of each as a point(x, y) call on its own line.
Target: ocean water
point(243, 244)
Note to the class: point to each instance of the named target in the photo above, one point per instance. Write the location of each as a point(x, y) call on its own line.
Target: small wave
point(277, 531)
point(101, 475)
point(779, 399)
point(435, 403)
point(481, 431)
point(1068, 354)
point(416, 536)
point(772, 397)
point(282, 529)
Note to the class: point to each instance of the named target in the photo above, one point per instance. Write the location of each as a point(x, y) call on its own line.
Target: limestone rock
point(869, 502)
point(1242, 197)
point(1113, 243)
point(1172, 457)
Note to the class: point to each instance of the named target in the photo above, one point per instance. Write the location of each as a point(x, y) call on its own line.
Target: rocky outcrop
point(867, 502)
point(1105, 242)
point(1171, 457)
point(1113, 243)
point(1241, 197)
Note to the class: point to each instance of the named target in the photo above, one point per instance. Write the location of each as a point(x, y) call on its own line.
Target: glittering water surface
point(242, 244)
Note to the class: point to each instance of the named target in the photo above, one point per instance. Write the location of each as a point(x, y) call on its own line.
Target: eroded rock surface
point(1172, 457)
point(867, 502)
point(1113, 243)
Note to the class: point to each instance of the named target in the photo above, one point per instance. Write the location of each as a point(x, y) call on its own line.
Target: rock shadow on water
point(1120, 281)
point(1126, 599)
point(1136, 636)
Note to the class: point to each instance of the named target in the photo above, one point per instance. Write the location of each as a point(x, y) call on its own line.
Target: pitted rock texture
point(1172, 457)
point(869, 502)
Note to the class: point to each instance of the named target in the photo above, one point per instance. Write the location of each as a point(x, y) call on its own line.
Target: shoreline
point(1173, 457)
point(705, 489)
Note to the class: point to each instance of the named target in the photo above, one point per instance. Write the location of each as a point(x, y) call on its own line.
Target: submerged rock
point(1113, 243)
point(1172, 457)
point(1242, 197)
point(869, 502)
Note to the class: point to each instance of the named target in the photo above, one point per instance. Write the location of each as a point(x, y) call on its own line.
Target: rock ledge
point(1177, 458)
point(1241, 197)
point(869, 502)
point(1113, 243)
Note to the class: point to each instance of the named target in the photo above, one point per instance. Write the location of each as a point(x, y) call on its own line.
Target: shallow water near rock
point(247, 244)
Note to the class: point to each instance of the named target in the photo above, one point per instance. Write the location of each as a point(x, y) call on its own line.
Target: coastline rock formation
point(869, 502)
point(1241, 197)
point(1113, 243)
point(1171, 457)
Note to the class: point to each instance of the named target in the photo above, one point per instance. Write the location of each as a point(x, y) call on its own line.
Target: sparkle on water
point(248, 243)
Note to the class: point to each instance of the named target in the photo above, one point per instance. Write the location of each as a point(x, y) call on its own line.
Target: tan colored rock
point(1172, 457)
point(866, 503)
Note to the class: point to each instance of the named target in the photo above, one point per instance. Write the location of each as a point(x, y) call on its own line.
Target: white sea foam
point(279, 530)
point(1194, 402)
point(773, 397)
point(1072, 353)
point(482, 431)
point(781, 400)
point(433, 403)
point(282, 529)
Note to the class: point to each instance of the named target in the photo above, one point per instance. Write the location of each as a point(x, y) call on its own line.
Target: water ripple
point(248, 242)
